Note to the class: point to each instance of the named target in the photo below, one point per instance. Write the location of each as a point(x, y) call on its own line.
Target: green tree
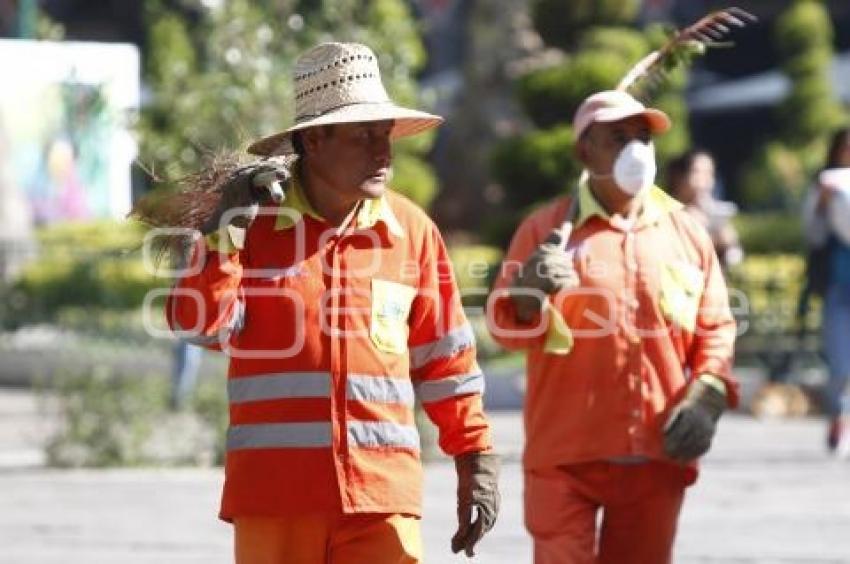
point(220, 76)
point(804, 38)
point(562, 22)
point(780, 170)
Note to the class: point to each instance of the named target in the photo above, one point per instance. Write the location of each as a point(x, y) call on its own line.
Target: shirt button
point(634, 303)
point(635, 413)
point(634, 339)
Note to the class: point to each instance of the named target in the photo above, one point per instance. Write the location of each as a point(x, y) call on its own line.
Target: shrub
point(774, 179)
point(475, 267)
point(677, 139)
point(105, 420)
point(770, 233)
point(413, 178)
point(536, 166)
point(560, 22)
point(777, 174)
point(771, 284)
point(108, 420)
point(95, 264)
point(552, 95)
point(628, 44)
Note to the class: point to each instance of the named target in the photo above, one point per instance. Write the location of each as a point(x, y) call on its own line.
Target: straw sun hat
point(341, 83)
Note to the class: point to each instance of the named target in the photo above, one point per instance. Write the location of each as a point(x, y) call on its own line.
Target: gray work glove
point(691, 425)
point(477, 487)
point(548, 270)
point(247, 187)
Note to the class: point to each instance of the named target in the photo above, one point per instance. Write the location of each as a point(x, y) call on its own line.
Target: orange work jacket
point(608, 360)
point(332, 337)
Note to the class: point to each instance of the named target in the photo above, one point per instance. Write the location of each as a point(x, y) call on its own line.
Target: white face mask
point(635, 168)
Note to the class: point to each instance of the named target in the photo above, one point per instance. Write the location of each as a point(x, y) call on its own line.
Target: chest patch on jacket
point(391, 303)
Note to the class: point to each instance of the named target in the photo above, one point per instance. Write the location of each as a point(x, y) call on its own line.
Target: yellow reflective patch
point(391, 303)
point(559, 338)
point(681, 290)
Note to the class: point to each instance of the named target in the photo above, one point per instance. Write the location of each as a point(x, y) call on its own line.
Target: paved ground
point(768, 494)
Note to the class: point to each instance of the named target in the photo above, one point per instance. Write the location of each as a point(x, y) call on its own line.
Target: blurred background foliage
point(781, 170)
point(93, 265)
point(562, 22)
point(224, 80)
point(109, 420)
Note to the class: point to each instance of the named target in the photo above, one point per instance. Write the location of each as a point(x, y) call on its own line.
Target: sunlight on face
point(355, 158)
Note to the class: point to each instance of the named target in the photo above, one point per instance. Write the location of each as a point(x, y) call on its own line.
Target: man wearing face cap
point(616, 295)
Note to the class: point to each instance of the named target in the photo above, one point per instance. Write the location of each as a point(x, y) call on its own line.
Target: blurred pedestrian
point(184, 373)
point(691, 179)
point(617, 297)
point(186, 360)
point(337, 307)
point(826, 216)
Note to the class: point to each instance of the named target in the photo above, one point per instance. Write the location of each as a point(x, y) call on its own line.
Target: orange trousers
point(328, 539)
point(639, 505)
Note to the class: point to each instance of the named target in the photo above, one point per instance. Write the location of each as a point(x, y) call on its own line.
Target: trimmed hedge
point(96, 264)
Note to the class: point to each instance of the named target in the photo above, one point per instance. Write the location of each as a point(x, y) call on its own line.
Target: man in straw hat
point(617, 297)
point(338, 312)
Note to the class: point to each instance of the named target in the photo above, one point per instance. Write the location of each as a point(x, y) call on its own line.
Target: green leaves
point(561, 22)
point(804, 38)
point(537, 165)
point(220, 77)
point(777, 175)
point(552, 95)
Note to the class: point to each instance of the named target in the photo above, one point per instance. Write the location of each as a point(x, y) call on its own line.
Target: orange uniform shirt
point(332, 337)
point(606, 361)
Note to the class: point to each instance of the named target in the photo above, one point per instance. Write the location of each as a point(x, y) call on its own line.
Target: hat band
point(305, 117)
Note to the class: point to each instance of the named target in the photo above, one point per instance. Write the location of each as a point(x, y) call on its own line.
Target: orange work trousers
point(639, 505)
point(328, 539)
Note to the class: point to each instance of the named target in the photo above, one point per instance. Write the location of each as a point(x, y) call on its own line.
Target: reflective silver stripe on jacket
point(382, 434)
point(379, 389)
point(436, 390)
point(279, 435)
point(279, 386)
point(456, 340)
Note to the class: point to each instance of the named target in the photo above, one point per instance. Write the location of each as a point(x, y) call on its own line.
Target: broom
point(190, 208)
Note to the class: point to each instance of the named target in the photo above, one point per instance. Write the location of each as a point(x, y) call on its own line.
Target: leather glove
point(477, 487)
point(548, 270)
point(691, 425)
point(247, 187)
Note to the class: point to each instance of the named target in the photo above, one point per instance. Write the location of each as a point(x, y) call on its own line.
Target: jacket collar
point(370, 211)
point(656, 203)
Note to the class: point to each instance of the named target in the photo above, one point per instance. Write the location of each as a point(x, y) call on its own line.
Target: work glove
point(548, 270)
point(691, 425)
point(478, 488)
point(247, 187)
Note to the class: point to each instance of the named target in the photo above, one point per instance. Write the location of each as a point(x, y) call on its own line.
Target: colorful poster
point(65, 116)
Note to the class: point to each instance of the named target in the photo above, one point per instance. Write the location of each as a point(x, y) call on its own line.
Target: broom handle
point(569, 220)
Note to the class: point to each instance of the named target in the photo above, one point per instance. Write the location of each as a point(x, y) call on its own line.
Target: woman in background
point(691, 180)
point(826, 217)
